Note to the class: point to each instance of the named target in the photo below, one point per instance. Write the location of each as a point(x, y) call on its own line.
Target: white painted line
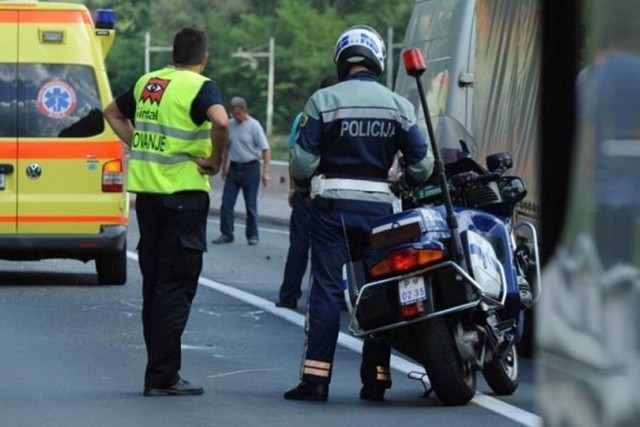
point(402, 365)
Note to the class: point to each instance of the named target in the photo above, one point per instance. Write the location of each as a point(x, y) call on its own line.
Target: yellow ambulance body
point(62, 189)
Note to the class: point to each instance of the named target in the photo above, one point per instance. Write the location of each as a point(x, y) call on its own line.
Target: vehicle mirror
point(499, 162)
point(512, 189)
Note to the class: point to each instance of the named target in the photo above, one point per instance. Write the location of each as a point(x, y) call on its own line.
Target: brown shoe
point(180, 388)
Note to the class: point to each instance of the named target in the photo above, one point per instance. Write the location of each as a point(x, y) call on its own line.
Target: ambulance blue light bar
point(106, 19)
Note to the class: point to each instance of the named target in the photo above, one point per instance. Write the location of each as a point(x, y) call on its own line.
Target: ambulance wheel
point(112, 268)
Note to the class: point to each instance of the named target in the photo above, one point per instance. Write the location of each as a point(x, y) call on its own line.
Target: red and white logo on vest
point(56, 99)
point(154, 90)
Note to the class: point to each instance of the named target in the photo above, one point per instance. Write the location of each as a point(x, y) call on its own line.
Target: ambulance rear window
point(53, 100)
point(8, 100)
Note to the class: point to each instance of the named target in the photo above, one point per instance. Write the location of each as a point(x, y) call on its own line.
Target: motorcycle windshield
point(452, 139)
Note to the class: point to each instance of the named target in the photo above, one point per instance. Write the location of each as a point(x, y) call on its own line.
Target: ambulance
point(62, 189)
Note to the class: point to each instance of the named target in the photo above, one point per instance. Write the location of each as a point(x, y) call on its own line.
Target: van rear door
point(8, 120)
point(62, 145)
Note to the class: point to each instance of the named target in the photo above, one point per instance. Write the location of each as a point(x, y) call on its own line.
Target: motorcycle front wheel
point(453, 380)
point(503, 374)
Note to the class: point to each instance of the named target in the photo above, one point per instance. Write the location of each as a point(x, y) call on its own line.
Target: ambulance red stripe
point(45, 16)
point(64, 219)
point(60, 150)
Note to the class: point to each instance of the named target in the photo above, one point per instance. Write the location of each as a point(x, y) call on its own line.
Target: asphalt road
point(72, 353)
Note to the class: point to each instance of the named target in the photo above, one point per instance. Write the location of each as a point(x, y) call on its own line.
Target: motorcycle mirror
point(499, 162)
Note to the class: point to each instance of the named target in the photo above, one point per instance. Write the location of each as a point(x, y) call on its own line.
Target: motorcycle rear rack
point(354, 326)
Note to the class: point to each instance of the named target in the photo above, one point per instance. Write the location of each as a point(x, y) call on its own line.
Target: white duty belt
point(354, 189)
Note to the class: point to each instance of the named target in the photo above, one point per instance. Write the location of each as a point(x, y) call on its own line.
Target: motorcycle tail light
point(412, 310)
point(404, 260)
point(113, 176)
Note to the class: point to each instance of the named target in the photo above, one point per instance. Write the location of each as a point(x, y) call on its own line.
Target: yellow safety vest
point(165, 139)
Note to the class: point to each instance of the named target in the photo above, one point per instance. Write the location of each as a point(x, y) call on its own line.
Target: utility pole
point(391, 48)
point(148, 49)
point(250, 56)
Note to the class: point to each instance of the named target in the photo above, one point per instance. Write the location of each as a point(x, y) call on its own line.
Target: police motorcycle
point(444, 283)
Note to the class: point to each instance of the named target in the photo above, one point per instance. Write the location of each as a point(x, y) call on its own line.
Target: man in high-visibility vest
point(174, 122)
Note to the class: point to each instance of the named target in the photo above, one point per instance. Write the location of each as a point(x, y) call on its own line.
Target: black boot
point(317, 392)
point(373, 393)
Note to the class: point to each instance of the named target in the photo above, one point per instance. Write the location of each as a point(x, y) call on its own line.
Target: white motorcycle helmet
point(360, 44)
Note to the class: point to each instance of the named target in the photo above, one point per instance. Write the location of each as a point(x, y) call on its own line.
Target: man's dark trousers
point(298, 255)
point(172, 240)
point(245, 177)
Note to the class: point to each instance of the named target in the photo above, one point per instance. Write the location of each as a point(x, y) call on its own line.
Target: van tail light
point(113, 176)
point(404, 260)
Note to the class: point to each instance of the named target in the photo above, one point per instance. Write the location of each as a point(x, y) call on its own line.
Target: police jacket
point(354, 129)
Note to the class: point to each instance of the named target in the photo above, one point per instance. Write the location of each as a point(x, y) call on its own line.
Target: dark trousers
point(329, 252)
point(245, 177)
point(172, 240)
point(298, 255)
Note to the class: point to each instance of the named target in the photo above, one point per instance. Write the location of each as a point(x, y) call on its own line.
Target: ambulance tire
point(112, 268)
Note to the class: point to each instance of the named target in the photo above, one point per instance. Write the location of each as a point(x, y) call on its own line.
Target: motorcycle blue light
point(106, 19)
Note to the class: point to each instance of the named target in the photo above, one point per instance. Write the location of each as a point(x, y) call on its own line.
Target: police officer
point(348, 138)
point(176, 126)
point(299, 236)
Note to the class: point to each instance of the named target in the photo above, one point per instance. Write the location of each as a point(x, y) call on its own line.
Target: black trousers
point(172, 240)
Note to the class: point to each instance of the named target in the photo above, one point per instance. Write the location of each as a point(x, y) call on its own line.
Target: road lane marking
point(243, 371)
point(399, 364)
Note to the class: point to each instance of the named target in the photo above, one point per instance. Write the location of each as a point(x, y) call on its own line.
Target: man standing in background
point(298, 254)
point(247, 144)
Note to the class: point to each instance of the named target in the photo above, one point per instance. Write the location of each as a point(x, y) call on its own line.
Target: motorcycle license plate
point(412, 290)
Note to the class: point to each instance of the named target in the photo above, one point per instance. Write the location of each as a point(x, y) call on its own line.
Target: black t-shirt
point(209, 95)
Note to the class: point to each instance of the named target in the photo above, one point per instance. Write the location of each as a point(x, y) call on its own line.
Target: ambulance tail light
point(113, 177)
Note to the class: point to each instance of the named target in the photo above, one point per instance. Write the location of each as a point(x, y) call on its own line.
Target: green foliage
point(305, 32)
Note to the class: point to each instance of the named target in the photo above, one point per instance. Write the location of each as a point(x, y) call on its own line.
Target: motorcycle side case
point(378, 306)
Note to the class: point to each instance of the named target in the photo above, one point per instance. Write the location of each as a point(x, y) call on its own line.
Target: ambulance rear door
point(61, 145)
point(8, 120)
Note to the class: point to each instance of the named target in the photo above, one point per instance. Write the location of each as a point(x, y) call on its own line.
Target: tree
point(305, 32)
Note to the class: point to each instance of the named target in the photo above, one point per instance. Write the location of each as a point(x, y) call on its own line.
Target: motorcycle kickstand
point(424, 380)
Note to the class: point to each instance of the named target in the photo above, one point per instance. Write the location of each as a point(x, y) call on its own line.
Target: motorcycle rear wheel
point(503, 375)
point(453, 380)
